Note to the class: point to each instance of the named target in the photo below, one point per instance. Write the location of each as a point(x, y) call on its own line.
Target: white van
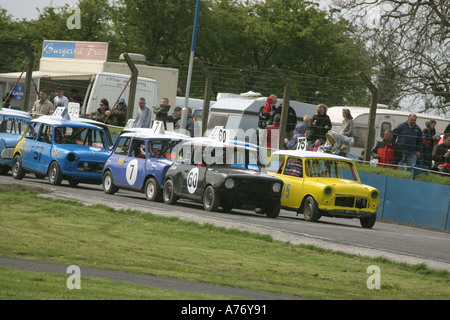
point(385, 119)
point(110, 85)
point(234, 111)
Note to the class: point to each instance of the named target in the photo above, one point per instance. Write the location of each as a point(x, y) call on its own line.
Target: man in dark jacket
point(291, 120)
point(387, 151)
point(409, 136)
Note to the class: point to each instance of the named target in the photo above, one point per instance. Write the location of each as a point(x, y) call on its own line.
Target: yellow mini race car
point(322, 184)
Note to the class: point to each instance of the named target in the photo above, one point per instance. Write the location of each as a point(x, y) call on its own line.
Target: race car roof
point(149, 133)
point(63, 122)
point(13, 112)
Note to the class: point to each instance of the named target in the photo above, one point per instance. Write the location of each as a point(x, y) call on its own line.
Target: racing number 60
point(192, 180)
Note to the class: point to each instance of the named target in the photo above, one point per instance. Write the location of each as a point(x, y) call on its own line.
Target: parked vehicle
point(225, 175)
point(139, 161)
point(62, 150)
point(12, 125)
point(321, 184)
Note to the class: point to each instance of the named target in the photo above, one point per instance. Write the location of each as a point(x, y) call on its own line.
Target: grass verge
point(32, 227)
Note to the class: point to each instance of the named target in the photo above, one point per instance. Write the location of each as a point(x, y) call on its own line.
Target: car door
point(293, 177)
point(132, 171)
point(38, 155)
point(117, 159)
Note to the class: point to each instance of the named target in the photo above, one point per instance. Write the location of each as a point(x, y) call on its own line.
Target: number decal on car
point(285, 192)
point(192, 180)
point(132, 172)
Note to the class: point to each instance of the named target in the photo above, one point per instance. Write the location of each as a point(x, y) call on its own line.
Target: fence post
point(285, 109)
point(207, 95)
point(26, 94)
point(133, 85)
point(370, 140)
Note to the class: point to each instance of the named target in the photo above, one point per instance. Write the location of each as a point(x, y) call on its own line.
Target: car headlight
point(328, 191)
point(374, 195)
point(71, 157)
point(276, 187)
point(229, 183)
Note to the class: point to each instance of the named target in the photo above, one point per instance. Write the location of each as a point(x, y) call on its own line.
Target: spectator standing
point(321, 123)
point(118, 115)
point(347, 125)
point(175, 116)
point(293, 142)
point(61, 100)
point(427, 149)
point(409, 136)
point(189, 123)
point(266, 112)
point(42, 106)
point(291, 120)
point(100, 114)
point(387, 152)
point(144, 115)
point(275, 126)
point(441, 155)
point(162, 110)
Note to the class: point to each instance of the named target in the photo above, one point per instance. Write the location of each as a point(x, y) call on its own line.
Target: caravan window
point(384, 126)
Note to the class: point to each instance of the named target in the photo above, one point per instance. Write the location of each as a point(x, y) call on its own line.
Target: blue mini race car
point(139, 161)
point(12, 125)
point(62, 149)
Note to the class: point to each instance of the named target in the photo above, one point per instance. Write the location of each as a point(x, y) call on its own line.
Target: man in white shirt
point(144, 115)
point(61, 100)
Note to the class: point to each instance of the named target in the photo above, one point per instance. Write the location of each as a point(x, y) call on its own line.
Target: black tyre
point(152, 190)
point(17, 170)
point(227, 206)
point(368, 222)
point(273, 210)
point(169, 196)
point(54, 174)
point(108, 183)
point(311, 210)
point(73, 183)
point(210, 199)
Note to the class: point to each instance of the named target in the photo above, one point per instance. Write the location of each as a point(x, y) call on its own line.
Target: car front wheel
point(108, 183)
point(54, 174)
point(273, 210)
point(17, 169)
point(210, 199)
point(368, 222)
point(311, 210)
point(169, 196)
point(152, 190)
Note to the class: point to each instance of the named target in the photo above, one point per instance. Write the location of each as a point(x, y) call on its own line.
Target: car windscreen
point(331, 168)
point(11, 124)
point(232, 156)
point(80, 136)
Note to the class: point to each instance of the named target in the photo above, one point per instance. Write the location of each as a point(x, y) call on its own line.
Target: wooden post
point(285, 109)
point(133, 85)
point(370, 140)
point(207, 95)
point(26, 94)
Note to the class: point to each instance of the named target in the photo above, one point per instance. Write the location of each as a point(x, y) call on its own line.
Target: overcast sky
point(20, 9)
point(27, 8)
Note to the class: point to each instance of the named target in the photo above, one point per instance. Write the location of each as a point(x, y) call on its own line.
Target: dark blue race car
point(139, 161)
point(12, 125)
point(62, 149)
